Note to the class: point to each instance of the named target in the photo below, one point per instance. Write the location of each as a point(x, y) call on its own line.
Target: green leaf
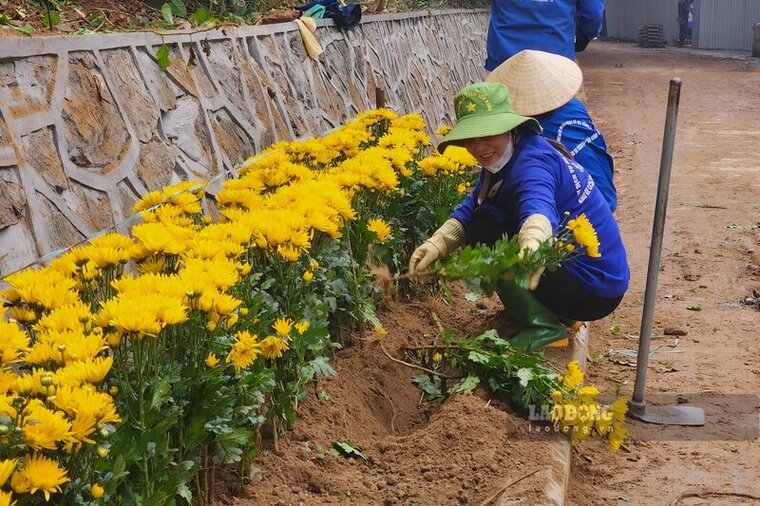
point(322, 366)
point(695, 307)
point(160, 394)
point(471, 296)
point(465, 386)
point(179, 9)
point(349, 450)
point(615, 330)
point(430, 385)
point(166, 12)
point(162, 57)
point(477, 357)
point(51, 19)
point(3, 19)
point(96, 19)
point(185, 493)
point(200, 16)
point(323, 396)
point(525, 376)
point(26, 29)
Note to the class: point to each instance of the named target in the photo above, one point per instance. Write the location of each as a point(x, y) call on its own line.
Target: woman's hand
point(443, 241)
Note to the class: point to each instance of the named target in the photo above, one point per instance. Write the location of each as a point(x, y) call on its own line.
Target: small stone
point(674, 331)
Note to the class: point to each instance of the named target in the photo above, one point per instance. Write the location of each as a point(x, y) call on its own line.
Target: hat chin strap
point(501, 162)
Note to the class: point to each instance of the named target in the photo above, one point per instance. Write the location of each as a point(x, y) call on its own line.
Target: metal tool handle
point(666, 162)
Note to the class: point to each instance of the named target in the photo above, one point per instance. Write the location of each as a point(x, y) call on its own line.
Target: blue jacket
point(571, 126)
point(539, 179)
point(547, 25)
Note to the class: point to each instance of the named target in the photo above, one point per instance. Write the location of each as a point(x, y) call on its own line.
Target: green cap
point(482, 109)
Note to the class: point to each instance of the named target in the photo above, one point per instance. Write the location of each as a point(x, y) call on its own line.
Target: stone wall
point(90, 123)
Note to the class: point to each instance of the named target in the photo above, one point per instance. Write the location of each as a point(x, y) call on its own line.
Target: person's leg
point(561, 293)
point(539, 325)
point(683, 27)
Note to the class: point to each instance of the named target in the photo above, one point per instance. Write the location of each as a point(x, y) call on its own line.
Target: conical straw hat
point(538, 81)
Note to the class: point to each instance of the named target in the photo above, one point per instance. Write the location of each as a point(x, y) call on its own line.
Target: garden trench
point(463, 451)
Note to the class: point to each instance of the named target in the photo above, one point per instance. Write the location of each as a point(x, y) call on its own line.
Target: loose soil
point(461, 452)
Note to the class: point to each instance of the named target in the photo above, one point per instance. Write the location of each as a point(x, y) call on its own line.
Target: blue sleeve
point(588, 18)
point(465, 212)
point(535, 192)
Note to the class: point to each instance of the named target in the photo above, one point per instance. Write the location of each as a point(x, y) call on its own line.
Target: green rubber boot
point(539, 325)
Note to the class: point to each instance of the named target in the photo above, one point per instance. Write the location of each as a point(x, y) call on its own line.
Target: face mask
point(501, 162)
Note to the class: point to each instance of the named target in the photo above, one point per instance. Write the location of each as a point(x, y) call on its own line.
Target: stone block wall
point(88, 124)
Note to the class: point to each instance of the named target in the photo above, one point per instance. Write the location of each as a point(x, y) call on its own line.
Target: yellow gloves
point(307, 26)
point(445, 240)
point(535, 230)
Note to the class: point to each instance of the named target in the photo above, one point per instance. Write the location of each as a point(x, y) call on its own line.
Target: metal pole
point(637, 404)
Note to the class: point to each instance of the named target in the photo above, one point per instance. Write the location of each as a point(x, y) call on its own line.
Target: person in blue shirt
point(526, 187)
point(543, 86)
point(684, 11)
point(557, 26)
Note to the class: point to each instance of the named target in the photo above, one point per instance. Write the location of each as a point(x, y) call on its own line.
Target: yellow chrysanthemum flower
point(76, 400)
point(212, 360)
point(44, 428)
point(13, 344)
point(442, 130)
point(7, 467)
point(308, 276)
point(97, 491)
point(6, 406)
point(6, 499)
point(73, 317)
point(95, 371)
point(283, 326)
point(22, 314)
point(574, 376)
point(585, 235)
point(82, 426)
point(244, 351)
point(379, 330)
point(39, 473)
point(302, 326)
point(380, 228)
point(289, 253)
point(273, 346)
point(617, 437)
point(619, 408)
point(588, 393)
point(45, 287)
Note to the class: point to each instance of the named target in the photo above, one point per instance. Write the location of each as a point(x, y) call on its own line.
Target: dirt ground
point(464, 451)
point(710, 260)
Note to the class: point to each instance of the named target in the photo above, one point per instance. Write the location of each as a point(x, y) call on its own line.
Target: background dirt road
point(710, 260)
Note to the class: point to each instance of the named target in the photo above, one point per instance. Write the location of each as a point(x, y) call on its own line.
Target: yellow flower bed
point(139, 353)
